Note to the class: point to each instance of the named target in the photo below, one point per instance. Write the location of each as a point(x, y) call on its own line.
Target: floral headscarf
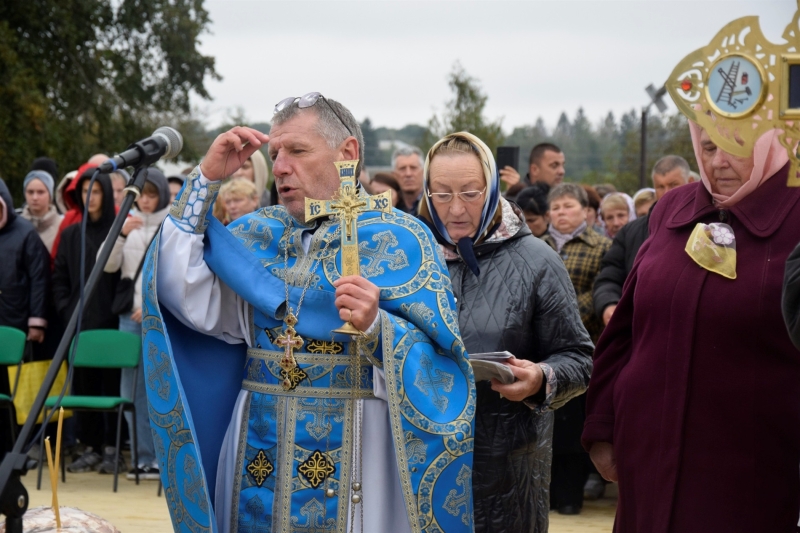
point(491, 216)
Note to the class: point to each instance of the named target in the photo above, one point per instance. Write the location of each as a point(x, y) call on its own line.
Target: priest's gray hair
point(405, 151)
point(329, 126)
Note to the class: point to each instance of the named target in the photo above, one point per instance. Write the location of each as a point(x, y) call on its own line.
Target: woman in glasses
point(513, 294)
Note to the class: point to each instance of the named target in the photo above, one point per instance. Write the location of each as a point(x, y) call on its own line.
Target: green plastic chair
point(103, 348)
point(12, 351)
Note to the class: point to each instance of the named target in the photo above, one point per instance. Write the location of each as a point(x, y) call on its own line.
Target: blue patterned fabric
point(295, 444)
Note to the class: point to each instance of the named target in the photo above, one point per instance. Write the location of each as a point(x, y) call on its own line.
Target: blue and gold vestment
point(295, 444)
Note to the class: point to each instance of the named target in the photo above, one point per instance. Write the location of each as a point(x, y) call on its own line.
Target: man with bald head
point(370, 429)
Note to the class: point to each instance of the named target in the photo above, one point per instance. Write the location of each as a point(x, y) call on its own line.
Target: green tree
point(526, 137)
point(465, 112)
point(583, 140)
point(84, 76)
point(372, 152)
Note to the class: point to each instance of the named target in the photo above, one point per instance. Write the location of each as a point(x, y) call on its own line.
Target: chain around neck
point(297, 265)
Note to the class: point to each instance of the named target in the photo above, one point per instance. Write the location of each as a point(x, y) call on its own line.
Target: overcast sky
point(389, 60)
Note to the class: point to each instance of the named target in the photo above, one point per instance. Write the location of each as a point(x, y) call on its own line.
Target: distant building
point(390, 145)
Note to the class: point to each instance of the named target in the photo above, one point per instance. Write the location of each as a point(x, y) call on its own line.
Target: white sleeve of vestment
point(193, 293)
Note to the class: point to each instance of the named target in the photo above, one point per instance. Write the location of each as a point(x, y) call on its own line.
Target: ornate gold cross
point(347, 205)
point(289, 340)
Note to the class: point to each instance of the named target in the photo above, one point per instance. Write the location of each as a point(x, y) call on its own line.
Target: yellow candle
point(53, 481)
point(58, 441)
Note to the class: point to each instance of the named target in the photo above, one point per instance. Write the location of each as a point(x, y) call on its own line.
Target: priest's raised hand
point(230, 150)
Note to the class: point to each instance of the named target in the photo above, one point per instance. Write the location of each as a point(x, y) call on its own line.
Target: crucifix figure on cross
point(347, 205)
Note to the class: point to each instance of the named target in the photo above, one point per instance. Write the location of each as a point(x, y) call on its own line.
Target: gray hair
point(405, 151)
point(668, 163)
point(329, 125)
point(568, 189)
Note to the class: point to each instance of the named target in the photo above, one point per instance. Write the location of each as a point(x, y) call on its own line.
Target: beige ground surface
point(138, 510)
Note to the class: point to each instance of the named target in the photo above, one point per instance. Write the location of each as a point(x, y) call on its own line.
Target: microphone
point(164, 142)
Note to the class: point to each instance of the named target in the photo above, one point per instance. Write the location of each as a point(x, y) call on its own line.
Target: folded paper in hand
point(490, 365)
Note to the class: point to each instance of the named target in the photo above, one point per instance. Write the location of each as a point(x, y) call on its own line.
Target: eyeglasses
point(464, 196)
point(308, 100)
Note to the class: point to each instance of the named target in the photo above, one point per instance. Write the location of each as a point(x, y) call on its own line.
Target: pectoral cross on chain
point(289, 340)
point(347, 205)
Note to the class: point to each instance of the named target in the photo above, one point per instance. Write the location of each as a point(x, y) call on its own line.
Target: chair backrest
point(108, 348)
point(12, 345)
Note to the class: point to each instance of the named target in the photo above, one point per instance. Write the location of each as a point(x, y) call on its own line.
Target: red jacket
point(74, 214)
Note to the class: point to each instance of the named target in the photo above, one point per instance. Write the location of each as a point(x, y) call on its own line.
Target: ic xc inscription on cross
point(347, 205)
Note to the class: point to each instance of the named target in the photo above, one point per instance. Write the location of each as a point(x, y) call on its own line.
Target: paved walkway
point(138, 510)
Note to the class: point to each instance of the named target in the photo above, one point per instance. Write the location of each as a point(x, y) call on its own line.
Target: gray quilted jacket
point(523, 302)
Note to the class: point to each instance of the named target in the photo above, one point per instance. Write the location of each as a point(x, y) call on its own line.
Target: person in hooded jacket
point(24, 283)
point(39, 208)
point(513, 294)
point(126, 256)
point(69, 196)
point(61, 192)
point(94, 429)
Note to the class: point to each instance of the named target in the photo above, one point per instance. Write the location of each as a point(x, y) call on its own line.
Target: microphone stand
point(13, 495)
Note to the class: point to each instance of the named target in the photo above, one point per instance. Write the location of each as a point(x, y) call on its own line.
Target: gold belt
point(329, 375)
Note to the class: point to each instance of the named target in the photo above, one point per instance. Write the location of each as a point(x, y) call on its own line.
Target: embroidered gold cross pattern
point(329, 347)
point(193, 483)
point(160, 370)
point(454, 500)
point(260, 468)
point(429, 380)
point(347, 205)
point(316, 469)
point(292, 378)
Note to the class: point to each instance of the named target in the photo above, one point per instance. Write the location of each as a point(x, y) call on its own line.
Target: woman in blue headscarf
point(513, 294)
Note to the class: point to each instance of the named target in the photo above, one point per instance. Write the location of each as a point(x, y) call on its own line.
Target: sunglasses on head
point(308, 100)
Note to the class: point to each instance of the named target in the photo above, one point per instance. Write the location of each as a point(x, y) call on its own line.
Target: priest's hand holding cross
point(357, 301)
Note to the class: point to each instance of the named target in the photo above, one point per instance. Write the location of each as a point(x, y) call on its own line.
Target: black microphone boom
point(164, 142)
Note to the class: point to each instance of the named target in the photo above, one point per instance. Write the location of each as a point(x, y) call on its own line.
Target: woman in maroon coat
point(694, 402)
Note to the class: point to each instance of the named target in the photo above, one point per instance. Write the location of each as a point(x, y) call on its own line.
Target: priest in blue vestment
point(265, 419)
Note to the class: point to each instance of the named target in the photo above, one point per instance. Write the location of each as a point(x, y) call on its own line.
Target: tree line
point(79, 77)
point(604, 152)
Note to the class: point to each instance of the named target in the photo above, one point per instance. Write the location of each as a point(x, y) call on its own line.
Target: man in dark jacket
point(24, 281)
point(669, 172)
point(791, 296)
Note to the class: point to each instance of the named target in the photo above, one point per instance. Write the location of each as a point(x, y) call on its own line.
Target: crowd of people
point(41, 282)
point(694, 389)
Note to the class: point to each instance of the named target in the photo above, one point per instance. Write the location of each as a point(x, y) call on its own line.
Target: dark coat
point(66, 273)
point(791, 296)
point(24, 271)
point(618, 262)
point(523, 302)
point(696, 380)
point(582, 258)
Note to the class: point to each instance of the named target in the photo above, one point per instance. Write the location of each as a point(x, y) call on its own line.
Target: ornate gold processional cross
point(347, 205)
